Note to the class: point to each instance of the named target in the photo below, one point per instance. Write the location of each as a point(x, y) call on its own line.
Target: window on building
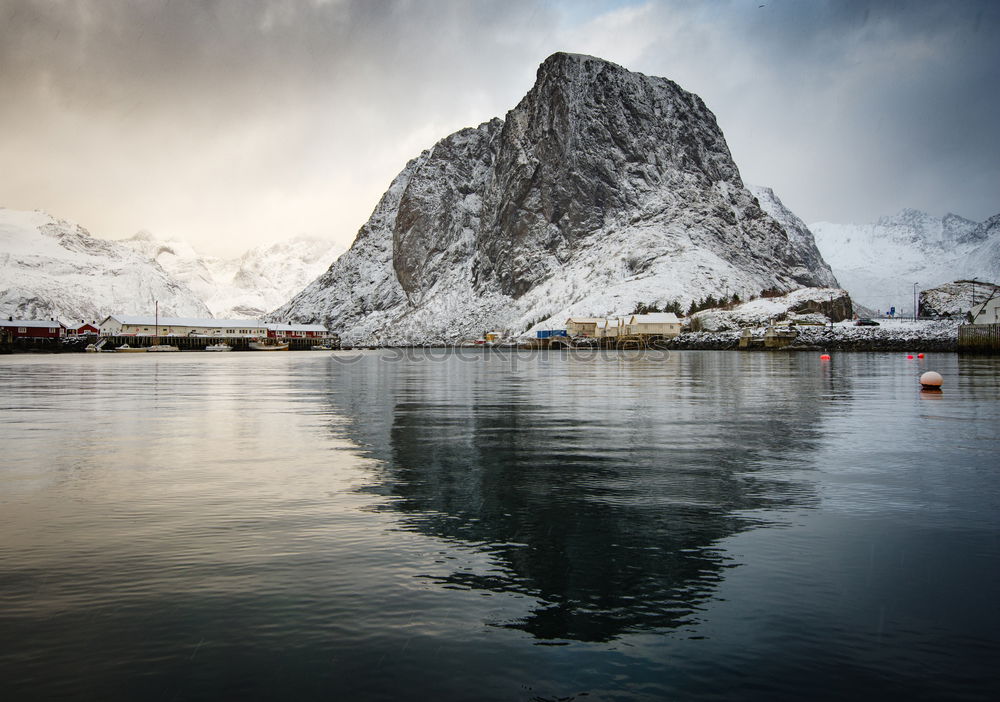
point(22, 330)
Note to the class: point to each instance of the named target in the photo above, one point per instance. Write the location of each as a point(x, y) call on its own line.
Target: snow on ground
point(889, 335)
point(803, 305)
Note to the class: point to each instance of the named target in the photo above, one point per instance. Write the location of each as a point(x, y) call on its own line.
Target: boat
point(221, 346)
point(162, 347)
point(125, 348)
point(268, 345)
point(322, 347)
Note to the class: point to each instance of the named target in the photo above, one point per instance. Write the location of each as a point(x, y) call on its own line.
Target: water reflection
point(598, 486)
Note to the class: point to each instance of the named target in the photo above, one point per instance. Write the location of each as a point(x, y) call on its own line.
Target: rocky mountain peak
point(600, 181)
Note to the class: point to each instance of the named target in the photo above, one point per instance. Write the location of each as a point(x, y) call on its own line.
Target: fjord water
point(498, 526)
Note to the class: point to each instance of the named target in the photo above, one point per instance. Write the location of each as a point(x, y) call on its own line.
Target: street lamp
point(915, 301)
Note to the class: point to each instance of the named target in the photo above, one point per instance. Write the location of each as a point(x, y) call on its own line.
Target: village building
point(582, 326)
point(82, 327)
point(303, 331)
point(655, 323)
point(987, 312)
point(609, 328)
point(33, 328)
point(145, 325)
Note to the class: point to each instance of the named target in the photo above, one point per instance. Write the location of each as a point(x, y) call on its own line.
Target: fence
point(981, 338)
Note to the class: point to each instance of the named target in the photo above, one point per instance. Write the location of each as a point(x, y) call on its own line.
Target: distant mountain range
point(51, 268)
point(248, 286)
point(54, 268)
point(879, 263)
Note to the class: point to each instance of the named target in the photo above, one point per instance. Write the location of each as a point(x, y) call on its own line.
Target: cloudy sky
point(231, 123)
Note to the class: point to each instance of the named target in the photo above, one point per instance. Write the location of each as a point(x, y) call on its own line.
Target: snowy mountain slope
point(247, 286)
point(878, 263)
point(52, 268)
point(601, 188)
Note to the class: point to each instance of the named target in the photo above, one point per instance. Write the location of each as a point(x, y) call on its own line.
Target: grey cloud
point(232, 122)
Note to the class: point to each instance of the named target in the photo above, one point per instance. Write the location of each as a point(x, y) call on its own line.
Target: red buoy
point(825, 357)
point(920, 355)
point(910, 356)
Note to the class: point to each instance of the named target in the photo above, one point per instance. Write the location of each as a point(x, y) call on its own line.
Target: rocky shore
point(889, 336)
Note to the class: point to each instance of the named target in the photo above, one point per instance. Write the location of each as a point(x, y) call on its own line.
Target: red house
point(305, 331)
point(84, 327)
point(34, 328)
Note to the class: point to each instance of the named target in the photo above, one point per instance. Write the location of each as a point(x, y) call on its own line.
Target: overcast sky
point(233, 123)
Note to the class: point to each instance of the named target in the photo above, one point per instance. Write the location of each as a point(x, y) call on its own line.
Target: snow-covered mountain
point(247, 286)
point(879, 263)
point(602, 188)
point(53, 268)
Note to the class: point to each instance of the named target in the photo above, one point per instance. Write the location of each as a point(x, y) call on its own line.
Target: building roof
point(37, 323)
point(300, 327)
point(654, 318)
point(583, 320)
point(149, 321)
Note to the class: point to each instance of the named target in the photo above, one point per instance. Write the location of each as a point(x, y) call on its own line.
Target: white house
point(145, 325)
point(987, 312)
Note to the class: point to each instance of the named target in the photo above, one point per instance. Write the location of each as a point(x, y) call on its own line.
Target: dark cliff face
point(601, 185)
point(589, 142)
point(437, 222)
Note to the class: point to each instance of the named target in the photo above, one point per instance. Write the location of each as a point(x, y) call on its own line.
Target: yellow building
point(582, 326)
point(656, 323)
point(609, 328)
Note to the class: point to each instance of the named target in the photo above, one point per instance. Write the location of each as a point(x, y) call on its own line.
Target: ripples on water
point(400, 525)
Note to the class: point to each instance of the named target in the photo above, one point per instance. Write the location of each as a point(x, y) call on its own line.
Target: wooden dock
point(979, 338)
point(184, 343)
point(631, 341)
point(198, 343)
point(773, 338)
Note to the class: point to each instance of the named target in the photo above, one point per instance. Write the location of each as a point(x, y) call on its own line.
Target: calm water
point(480, 526)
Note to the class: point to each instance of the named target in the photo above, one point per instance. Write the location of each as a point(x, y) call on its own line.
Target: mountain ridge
point(879, 262)
point(51, 267)
point(600, 189)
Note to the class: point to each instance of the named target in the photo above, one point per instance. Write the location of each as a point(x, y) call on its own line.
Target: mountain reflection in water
point(598, 484)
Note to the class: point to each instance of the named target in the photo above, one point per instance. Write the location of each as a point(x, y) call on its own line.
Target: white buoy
point(931, 380)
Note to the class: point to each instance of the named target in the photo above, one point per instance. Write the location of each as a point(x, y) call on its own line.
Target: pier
point(979, 338)
point(198, 343)
point(184, 343)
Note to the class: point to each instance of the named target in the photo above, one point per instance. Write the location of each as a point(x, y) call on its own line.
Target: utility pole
point(915, 315)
